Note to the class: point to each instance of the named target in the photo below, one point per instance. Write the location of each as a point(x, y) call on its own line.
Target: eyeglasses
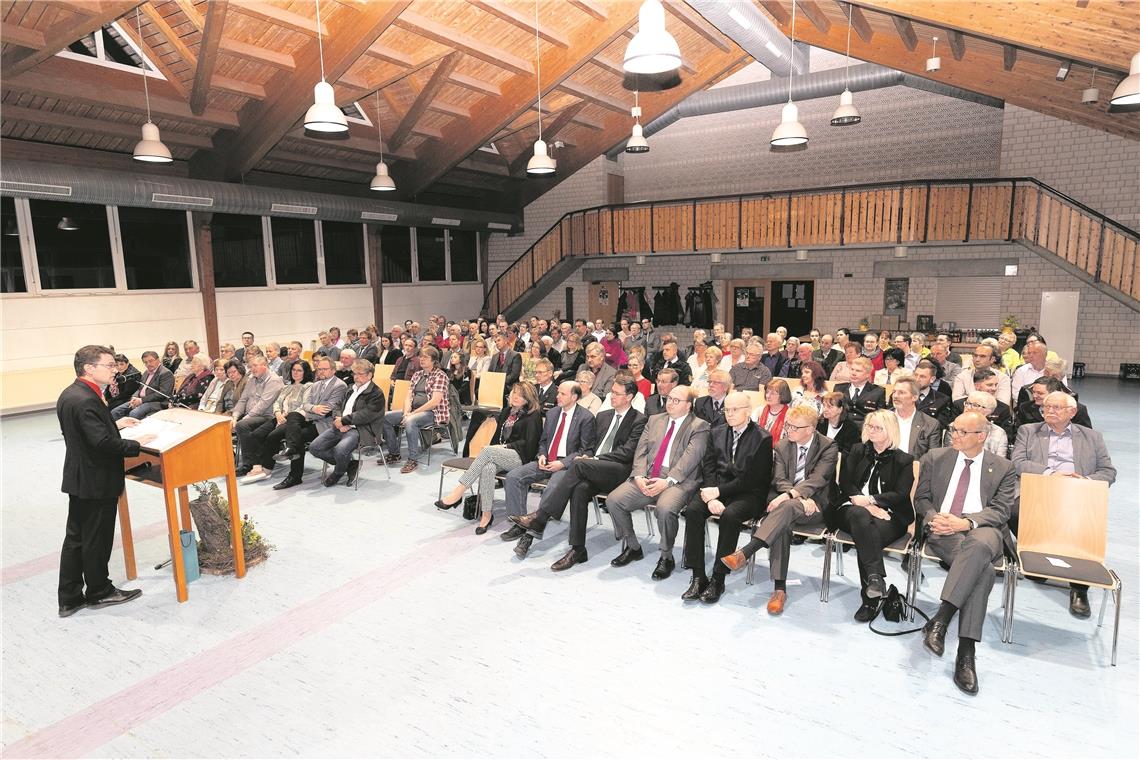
point(675, 400)
point(108, 366)
point(960, 431)
point(973, 405)
point(1054, 408)
point(790, 426)
point(880, 428)
point(747, 408)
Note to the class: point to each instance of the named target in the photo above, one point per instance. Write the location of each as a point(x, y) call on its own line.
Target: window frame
point(321, 256)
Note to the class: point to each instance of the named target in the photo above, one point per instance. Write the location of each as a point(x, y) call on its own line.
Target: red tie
point(502, 359)
point(553, 454)
point(659, 460)
point(959, 500)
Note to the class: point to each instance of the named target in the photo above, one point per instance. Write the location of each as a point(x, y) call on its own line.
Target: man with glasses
point(665, 472)
point(323, 399)
point(963, 501)
point(985, 357)
point(364, 407)
point(666, 382)
point(618, 429)
point(986, 381)
point(750, 374)
point(1060, 447)
point(711, 407)
point(736, 474)
point(246, 342)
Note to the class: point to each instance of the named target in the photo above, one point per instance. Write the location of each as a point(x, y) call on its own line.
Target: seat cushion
point(1080, 570)
point(459, 463)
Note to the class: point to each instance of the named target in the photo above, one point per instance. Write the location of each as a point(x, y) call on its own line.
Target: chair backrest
point(888, 389)
point(385, 386)
point(307, 356)
point(383, 372)
point(483, 436)
point(829, 385)
point(914, 485)
point(1060, 515)
point(967, 361)
point(491, 388)
point(794, 384)
point(399, 393)
point(756, 398)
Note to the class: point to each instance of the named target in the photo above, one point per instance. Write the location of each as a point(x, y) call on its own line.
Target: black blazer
point(524, 436)
point(393, 356)
point(938, 406)
point(93, 462)
point(703, 408)
point(847, 437)
point(749, 475)
point(626, 438)
point(896, 476)
point(549, 400)
point(655, 404)
point(368, 409)
point(370, 354)
point(684, 371)
point(873, 397)
point(1029, 413)
point(571, 362)
point(128, 383)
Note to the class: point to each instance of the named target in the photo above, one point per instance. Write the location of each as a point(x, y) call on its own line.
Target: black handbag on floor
point(470, 507)
point(894, 608)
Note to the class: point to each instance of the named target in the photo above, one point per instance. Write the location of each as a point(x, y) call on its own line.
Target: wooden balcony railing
point(901, 213)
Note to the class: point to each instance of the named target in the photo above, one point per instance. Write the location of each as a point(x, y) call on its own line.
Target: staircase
point(1020, 210)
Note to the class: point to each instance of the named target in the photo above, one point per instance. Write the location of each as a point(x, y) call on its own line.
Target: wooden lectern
point(190, 447)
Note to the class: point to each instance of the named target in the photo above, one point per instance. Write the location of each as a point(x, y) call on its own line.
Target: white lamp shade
point(1127, 93)
point(652, 50)
point(790, 131)
point(382, 182)
point(846, 114)
point(540, 162)
point(636, 142)
point(66, 223)
point(150, 147)
point(323, 115)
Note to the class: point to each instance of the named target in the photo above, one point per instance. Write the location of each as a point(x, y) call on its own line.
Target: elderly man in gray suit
point(963, 501)
point(567, 434)
point(666, 472)
point(918, 432)
point(1057, 446)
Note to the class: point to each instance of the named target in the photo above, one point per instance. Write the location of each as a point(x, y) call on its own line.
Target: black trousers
point(254, 447)
point(86, 550)
point(736, 512)
point(585, 479)
point(871, 534)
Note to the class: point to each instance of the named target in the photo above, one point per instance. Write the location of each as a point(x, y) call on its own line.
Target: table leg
point(175, 545)
point(127, 538)
point(235, 525)
point(184, 505)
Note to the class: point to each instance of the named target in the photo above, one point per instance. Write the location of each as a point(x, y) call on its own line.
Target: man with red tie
point(568, 433)
point(963, 502)
point(666, 472)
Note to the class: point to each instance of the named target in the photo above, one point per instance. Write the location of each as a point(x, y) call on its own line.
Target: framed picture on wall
point(895, 295)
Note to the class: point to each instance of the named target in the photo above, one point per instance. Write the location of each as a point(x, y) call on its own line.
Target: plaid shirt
point(436, 381)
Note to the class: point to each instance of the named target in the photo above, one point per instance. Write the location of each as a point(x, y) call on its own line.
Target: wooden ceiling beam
point(697, 23)
point(1008, 57)
point(13, 34)
point(906, 33)
point(362, 84)
point(264, 123)
point(491, 115)
point(776, 10)
point(208, 54)
point(594, 96)
point(815, 15)
point(564, 117)
point(18, 59)
point(475, 85)
point(391, 55)
point(613, 67)
point(522, 21)
point(361, 139)
point(472, 46)
point(247, 52)
point(86, 126)
point(1103, 34)
point(426, 96)
point(237, 87)
point(294, 22)
point(597, 10)
point(957, 43)
point(166, 34)
point(858, 20)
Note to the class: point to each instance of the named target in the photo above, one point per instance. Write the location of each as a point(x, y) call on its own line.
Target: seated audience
point(947, 371)
point(529, 359)
point(344, 367)
point(171, 356)
point(893, 367)
point(734, 355)
point(666, 382)
point(873, 352)
point(985, 358)
point(702, 374)
point(212, 397)
point(254, 409)
point(918, 433)
point(362, 412)
point(841, 372)
point(198, 372)
point(246, 342)
point(827, 354)
point(155, 387)
point(1036, 354)
point(938, 406)
point(124, 384)
point(710, 407)
point(615, 353)
point(236, 377)
point(328, 346)
point(812, 385)
point(426, 405)
point(670, 360)
point(268, 435)
point(545, 386)
point(773, 358)
point(458, 376)
point(750, 374)
point(986, 380)
point(803, 475)
point(835, 423)
point(1030, 411)
point(1055, 369)
point(997, 442)
point(367, 349)
point(771, 415)
point(572, 359)
point(227, 352)
point(1010, 359)
point(863, 396)
point(322, 399)
point(635, 366)
point(795, 364)
point(603, 373)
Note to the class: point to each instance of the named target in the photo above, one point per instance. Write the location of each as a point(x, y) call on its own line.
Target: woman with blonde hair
point(172, 356)
point(712, 357)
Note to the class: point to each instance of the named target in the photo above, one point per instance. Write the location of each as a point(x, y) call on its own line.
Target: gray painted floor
point(382, 627)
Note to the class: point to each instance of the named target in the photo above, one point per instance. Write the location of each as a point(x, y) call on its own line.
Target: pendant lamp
point(381, 182)
point(1127, 93)
point(150, 148)
point(790, 132)
point(323, 115)
point(846, 114)
point(540, 164)
point(636, 142)
point(652, 50)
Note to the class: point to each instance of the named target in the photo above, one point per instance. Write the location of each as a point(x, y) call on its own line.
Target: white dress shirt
point(905, 424)
point(672, 442)
point(565, 433)
point(973, 501)
point(356, 391)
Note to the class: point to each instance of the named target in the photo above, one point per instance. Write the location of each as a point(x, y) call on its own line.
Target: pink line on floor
point(49, 562)
point(84, 732)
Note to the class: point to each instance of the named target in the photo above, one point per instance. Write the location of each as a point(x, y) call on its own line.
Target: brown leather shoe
point(524, 521)
point(409, 466)
point(734, 561)
point(776, 602)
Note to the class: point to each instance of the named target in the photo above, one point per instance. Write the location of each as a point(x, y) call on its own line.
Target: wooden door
point(603, 301)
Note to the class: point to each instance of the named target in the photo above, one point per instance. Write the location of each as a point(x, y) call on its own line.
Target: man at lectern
point(93, 478)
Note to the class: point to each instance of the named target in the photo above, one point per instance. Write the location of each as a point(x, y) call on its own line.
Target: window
point(294, 251)
point(396, 254)
point(344, 253)
point(430, 252)
point(156, 248)
point(239, 251)
point(73, 245)
point(11, 264)
point(464, 247)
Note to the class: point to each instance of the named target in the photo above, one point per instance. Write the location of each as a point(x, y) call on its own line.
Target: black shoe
point(627, 555)
point(712, 592)
point(571, 558)
point(797, 539)
point(523, 546)
point(441, 504)
point(934, 637)
point(965, 674)
point(285, 455)
point(695, 589)
point(352, 472)
point(481, 529)
point(115, 596)
point(1079, 603)
point(67, 610)
point(513, 533)
point(866, 613)
point(333, 479)
point(288, 482)
point(876, 586)
point(664, 568)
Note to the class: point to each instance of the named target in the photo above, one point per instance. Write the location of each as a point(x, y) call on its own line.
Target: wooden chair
point(383, 374)
point(829, 385)
point(491, 389)
point(399, 394)
point(756, 398)
point(479, 441)
point(1062, 536)
point(794, 384)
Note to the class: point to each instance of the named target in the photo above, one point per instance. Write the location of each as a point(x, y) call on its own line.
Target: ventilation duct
point(28, 179)
point(744, 24)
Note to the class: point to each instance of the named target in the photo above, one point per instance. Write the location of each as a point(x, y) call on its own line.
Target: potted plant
point(211, 513)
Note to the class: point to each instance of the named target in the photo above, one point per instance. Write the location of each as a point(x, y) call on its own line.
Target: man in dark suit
point(1060, 447)
point(670, 360)
point(937, 406)
point(666, 382)
point(603, 373)
point(1000, 416)
point(544, 384)
point(618, 430)
point(774, 357)
point(963, 502)
point(364, 408)
point(827, 355)
point(367, 350)
point(1031, 411)
point(666, 473)
point(918, 433)
point(567, 434)
point(710, 408)
point(506, 359)
point(736, 473)
point(803, 473)
point(862, 395)
point(93, 480)
point(246, 342)
point(155, 387)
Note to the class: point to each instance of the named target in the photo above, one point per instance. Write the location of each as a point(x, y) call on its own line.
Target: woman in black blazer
point(835, 424)
point(873, 503)
point(515, 442)
point(125, 384)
